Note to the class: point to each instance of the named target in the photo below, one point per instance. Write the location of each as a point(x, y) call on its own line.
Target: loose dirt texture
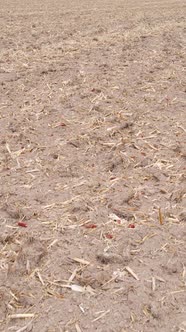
point(92, 161)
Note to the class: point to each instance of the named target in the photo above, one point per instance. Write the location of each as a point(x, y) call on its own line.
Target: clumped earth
point(92, 161)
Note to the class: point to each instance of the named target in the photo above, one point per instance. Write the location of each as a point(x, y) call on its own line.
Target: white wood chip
point(77, 328)
point(81, 261)
point(129, 270)
point(77, 288)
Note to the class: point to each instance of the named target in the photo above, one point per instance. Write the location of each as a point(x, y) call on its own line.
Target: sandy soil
point(92, 161)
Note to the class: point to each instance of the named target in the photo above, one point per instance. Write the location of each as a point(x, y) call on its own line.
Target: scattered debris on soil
point(92, 164)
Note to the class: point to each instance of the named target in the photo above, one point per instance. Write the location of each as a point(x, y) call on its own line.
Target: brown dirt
point(92, 142)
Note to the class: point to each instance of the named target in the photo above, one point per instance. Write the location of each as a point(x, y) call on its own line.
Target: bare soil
point(92, 161)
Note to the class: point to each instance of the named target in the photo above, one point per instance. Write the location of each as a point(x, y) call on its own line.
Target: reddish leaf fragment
point(22, 224)
point(59, 124)
point(90, 225)
point(131, 226)
point(108, 236)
